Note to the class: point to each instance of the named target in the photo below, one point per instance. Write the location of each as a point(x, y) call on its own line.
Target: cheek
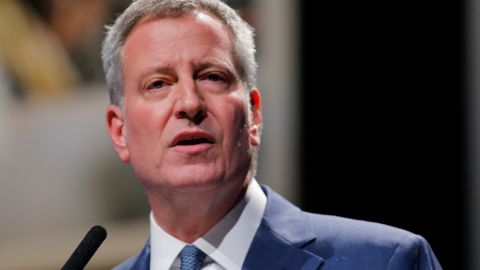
point(144, 122)
point(138, 123)
point(236, 123)
point(144, 129)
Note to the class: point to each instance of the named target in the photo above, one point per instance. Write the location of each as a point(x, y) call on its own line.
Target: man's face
point(185, 122)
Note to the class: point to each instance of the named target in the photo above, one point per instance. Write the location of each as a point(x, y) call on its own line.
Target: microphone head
point(87, 247)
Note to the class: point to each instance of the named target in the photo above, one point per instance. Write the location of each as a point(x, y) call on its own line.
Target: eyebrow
point(162, 69)
point(196, 69)
point(208, 64)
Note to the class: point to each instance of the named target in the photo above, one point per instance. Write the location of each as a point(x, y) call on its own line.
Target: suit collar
point(286, 220)
point(278, 243)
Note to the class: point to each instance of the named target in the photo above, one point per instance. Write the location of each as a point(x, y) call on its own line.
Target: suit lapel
point(279, 241)
point(143, 262)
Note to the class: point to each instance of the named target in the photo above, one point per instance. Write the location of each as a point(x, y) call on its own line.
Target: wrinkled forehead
point(202, 16)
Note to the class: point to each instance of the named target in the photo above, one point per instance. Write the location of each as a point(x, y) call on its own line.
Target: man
point(187, 116)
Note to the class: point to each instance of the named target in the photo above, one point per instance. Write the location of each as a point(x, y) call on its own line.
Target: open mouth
point(193, 143)
point(193, 140)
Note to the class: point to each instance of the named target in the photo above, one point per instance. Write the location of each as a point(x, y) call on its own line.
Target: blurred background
point(59, 174)
point(368, 111)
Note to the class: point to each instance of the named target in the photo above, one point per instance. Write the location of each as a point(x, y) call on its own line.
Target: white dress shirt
point(226, 244)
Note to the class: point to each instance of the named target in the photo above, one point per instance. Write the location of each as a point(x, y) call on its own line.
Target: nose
point(190, 103)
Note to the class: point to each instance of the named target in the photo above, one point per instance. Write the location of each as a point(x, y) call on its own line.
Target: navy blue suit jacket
point(289, 238)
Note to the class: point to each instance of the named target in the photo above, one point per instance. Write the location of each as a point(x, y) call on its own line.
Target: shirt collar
point(227, 242)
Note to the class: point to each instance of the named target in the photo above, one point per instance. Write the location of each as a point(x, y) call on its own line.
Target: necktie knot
point(191, 258)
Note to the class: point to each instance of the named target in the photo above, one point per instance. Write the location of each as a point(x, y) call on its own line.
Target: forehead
point(199, 26)
point(193, 39)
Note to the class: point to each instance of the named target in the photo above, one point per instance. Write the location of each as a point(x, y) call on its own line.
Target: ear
point(256, 117)
point(117, 130)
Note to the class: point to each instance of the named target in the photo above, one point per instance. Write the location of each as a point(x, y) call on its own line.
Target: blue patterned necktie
point(191, 258)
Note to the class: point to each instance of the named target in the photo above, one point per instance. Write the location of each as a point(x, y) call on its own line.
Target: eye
point(156, 84)
point(215, 77)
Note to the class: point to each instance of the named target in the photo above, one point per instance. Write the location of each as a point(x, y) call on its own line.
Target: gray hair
point(112, 50)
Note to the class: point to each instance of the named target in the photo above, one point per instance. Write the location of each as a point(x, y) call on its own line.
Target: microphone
point(85, 250)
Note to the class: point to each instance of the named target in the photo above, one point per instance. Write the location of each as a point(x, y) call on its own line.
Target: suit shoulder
point(353, 232)
point(343, 241)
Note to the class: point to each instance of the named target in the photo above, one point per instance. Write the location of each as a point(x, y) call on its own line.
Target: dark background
point(383, 117)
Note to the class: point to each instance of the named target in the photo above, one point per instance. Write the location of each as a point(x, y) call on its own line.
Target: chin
point(192, 179)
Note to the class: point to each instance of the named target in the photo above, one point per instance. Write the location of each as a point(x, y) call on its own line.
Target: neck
point(189, 215)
